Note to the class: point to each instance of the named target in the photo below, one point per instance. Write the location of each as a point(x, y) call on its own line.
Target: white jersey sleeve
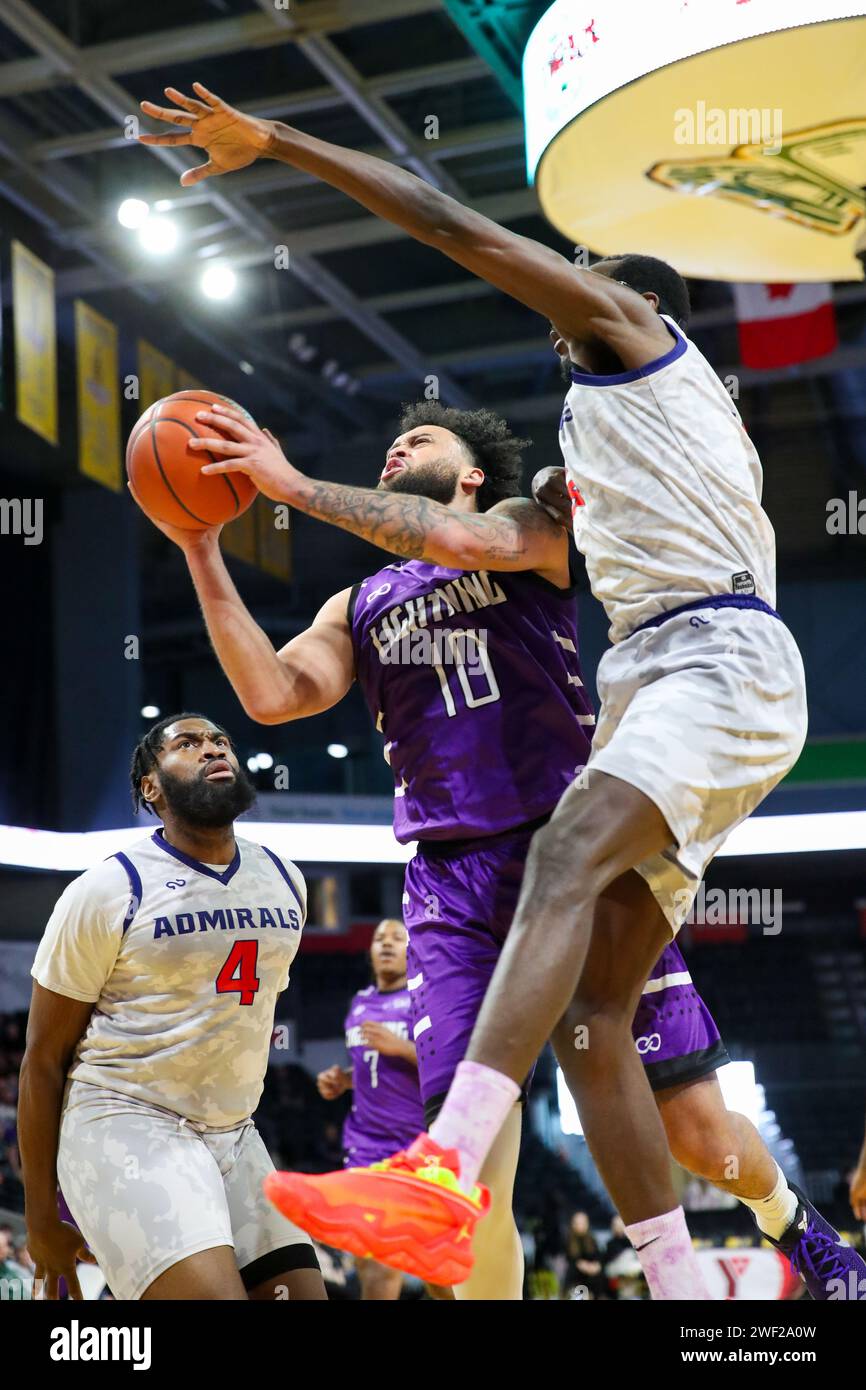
point(82, 938)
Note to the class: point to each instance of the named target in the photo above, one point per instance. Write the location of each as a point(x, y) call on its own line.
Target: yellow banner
point(240, 537)
point(98, 397)
point(156, 374)
point(275, 538)
point(35, 342)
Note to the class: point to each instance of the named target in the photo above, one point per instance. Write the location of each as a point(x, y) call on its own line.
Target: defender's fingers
point(185, 139)
point(188, 103)
point(164, 113)
point(216, 103)
point(201, 171)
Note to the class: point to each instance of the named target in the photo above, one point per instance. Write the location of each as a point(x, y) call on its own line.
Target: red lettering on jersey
point(574, 494)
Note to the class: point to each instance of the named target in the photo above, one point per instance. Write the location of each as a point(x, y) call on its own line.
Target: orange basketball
point(167, 476)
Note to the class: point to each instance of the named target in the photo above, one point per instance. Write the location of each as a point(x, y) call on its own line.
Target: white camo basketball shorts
point(148, 1188)
point(704, 714)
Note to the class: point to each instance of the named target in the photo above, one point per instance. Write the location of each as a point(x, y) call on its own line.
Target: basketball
point(166, 475)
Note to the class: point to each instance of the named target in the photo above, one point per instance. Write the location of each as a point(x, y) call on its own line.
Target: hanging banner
point(156, 374)
point(99, 454)
point(275, 539)
point(35, 343)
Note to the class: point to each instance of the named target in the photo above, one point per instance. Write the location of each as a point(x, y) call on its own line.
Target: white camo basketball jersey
point(666, 488)
point(184, 962)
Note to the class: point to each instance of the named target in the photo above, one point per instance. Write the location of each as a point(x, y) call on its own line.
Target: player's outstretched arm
point(583, 306)
point(311, 673)
point(514, 535)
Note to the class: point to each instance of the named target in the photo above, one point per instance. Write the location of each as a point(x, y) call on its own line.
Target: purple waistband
point(716, 601)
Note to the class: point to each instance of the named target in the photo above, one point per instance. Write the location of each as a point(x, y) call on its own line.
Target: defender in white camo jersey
point(153, 1009)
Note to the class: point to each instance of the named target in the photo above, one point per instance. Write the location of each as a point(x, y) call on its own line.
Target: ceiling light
point(158, 235)
point(132, 212)
point(218, 282)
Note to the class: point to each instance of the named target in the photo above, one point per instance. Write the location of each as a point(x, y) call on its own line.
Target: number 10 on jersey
point(461, 643)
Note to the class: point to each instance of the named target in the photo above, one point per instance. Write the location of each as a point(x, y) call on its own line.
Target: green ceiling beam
point(498, 31)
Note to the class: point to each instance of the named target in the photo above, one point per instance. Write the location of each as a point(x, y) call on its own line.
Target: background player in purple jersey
point(479, 754)
point(386, 1109)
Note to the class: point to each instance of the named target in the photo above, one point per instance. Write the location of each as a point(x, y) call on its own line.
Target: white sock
point(667, 1257)
point(774, 1213)
point(473, 1114)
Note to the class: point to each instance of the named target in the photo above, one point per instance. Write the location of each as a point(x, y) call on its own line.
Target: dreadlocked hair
point(144, 758)
point(487, 437)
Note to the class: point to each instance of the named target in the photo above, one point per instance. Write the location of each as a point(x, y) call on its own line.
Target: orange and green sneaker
point(407, 1211)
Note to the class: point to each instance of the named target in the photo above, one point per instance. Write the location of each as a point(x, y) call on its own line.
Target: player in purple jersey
point(386, 1109)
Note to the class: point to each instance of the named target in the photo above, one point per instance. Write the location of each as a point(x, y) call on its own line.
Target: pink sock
point(664, 1248)
point(473, 1114)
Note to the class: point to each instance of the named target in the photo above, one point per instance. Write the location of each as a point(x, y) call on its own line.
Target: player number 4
point(238, 974)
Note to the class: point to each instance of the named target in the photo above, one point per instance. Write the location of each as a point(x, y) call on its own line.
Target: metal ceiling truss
point(57, 50)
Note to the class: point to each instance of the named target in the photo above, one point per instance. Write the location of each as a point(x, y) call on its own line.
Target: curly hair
point(487, 437)
point(144, 759)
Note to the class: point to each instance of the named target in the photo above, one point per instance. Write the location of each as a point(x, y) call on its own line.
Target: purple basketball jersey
point(386, 1111)
point(474, 680)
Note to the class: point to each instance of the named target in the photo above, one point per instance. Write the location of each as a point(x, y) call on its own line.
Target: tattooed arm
point(514, 535)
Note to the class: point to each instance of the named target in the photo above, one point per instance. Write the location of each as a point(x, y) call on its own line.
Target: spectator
point(584, 1268)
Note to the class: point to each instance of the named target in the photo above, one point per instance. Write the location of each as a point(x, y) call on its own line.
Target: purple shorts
point(458, 903)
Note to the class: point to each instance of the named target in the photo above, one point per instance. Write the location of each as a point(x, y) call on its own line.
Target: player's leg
point(378, 1282)
point(715, 1143)
point(276, 1260)
point(594, 1046)
point(148, 1197)
point(457, 911)
point(596, 834)
point(209, 1274)
point(498, 1269)
point(726, 1149)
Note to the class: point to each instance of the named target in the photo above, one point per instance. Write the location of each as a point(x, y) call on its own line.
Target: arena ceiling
point(358, 294)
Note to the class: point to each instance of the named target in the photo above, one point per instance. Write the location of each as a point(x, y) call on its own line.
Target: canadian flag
point(783, 324)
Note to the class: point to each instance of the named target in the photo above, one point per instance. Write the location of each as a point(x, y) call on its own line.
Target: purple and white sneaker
point(830, 1269)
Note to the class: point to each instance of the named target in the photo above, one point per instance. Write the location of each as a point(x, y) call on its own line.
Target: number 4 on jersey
point(238, 974)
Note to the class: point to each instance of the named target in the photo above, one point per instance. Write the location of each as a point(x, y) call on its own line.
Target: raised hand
point(249, 450)
point(186, 539)
point(231, 139)
point(332, 1082)
point(378, 1036)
